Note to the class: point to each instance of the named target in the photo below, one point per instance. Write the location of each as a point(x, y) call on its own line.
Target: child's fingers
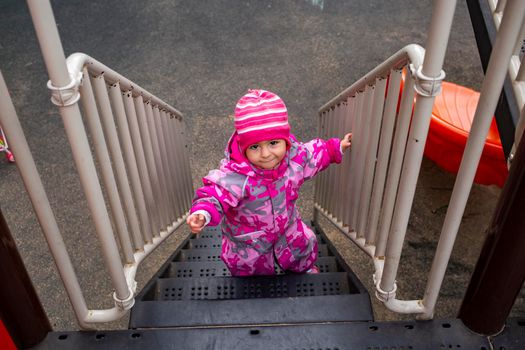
point(196, 222)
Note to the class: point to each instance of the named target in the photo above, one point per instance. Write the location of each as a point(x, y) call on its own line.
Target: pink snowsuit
point(256, 208)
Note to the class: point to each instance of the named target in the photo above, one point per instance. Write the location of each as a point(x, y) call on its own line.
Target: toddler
point(253, 193)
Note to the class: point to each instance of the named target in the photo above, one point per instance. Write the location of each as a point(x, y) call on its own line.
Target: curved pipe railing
point(377, 109)
point(383, 175)
point(139, 145)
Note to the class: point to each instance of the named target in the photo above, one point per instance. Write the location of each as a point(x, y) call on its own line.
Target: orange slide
point(452, 116)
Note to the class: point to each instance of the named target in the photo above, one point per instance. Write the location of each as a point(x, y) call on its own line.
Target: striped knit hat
point(261, 115)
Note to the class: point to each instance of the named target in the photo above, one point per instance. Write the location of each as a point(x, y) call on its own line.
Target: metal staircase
point(194, 288)
point(193, 303)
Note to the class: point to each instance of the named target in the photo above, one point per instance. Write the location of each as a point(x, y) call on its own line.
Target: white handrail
point(424, 75)
point(138, 113)
point(412, 53)
point(363, 102)
point(76, 61)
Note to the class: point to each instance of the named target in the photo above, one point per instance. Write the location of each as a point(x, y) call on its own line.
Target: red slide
point(5, 340)
point(452, 116)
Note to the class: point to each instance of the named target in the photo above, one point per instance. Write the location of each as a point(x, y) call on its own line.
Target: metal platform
point(437, 334)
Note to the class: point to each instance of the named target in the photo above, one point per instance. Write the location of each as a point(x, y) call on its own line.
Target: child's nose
point(265, 152)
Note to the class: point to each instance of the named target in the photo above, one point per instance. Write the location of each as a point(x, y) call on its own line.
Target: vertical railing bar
point(179, 164)
point(164, 156)
point(500, 7)
point(147, 145)
point(317, 187)
point(99, 143)
point(165, 165)
point(356, 148)
point(520, 76)
point(159, 166)
point(320, 178)
point(183, 149)
point(324, 174)
point(364, 126)
point(110, 132)
point(331, 170)
point(347, 173)
point(172, 162)
point(519, 42)
point(136, 166)
point(339, 168)
point(371, 156)
point(385, 144)
point(325, 177)
point(367, 132)
point(183, 153)
point(130, 162)
point(182, 169)
point(360, 151)
point(396, 163)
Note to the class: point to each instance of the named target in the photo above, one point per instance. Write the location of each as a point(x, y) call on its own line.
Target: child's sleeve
point(320, 154)
point(219, 192)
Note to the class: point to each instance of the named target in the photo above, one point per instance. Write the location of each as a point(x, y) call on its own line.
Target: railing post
point(20, 309)
point(35, 189)
point(65, 94)
point(428, 85)
point(490, 92)
point(499, 273)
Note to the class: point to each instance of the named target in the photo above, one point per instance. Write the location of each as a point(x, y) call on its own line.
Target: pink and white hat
point(261, 115)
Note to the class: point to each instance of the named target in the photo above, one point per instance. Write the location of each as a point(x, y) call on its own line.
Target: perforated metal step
point(281, 286)
point(214, 254)
point(217, 268)
point(195, 289)
point(214, 241)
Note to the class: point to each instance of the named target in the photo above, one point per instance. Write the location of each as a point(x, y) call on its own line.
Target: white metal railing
point(147, 179)
point(378, 110)
point(139, 144)
point(369, 198)
point(516, 68)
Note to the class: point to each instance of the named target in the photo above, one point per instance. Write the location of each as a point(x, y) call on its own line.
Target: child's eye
point(253, 147)
point(274, 142)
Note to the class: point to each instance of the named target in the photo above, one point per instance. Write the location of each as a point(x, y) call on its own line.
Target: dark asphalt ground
point(200, 57)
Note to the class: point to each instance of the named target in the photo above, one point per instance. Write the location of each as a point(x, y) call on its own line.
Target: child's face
point(267, 154)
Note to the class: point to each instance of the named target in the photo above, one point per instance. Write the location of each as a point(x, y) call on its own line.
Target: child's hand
point(346, 142)
point(196, 222)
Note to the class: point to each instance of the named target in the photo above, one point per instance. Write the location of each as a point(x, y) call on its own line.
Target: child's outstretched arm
point(220, 191)
point(321, 153)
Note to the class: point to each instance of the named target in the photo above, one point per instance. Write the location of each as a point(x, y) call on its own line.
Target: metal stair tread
point(197, 242)
point(276, 286)
point(293, 310)
point(213, 254)
point(218, 268)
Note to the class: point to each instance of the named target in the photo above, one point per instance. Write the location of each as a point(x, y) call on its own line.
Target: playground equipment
point(449, 128)
point(192, 301)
